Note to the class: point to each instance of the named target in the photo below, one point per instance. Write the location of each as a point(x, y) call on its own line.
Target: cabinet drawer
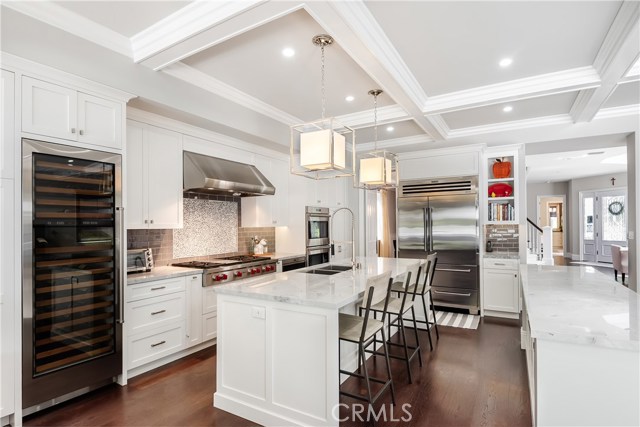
point(154, 312)
point(209, 326)
point(145, 348)
point(455, 297)
point(155, 288)
point(502, 264)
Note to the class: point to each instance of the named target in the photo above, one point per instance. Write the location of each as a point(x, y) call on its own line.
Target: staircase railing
point(534, 239)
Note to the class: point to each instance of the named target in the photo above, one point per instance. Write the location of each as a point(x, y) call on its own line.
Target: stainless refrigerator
point(442, 216)
point(73, 275)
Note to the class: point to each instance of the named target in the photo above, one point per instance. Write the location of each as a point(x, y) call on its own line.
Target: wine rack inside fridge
point(72, 269)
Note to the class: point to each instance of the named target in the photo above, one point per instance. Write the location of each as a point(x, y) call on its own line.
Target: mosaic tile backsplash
point(210, 227)
point(504, 238)
point(161, 242)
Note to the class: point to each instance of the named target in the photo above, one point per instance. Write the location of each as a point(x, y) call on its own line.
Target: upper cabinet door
point(136, 208)
point(49, 109)
point(7, 115)
point(99, 121)
point(280, 202)
point(163, 152)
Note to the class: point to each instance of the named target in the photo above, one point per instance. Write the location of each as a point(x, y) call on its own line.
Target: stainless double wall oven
point(317, 239)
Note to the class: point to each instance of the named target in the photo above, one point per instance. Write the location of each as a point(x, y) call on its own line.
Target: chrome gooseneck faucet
point(354, 265)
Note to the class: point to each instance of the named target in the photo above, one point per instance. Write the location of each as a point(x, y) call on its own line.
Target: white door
point(604, 223)
point(611, 221)
point(136, 208)
point(280, 180)
point(49, 109)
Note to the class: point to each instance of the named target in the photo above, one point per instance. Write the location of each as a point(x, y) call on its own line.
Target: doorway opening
point(603, 222)
point(552, 212)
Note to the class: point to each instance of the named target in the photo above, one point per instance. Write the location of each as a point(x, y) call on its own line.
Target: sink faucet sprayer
point(354, 265)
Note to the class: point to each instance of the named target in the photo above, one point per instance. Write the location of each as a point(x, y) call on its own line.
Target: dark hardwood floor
point(472, 378)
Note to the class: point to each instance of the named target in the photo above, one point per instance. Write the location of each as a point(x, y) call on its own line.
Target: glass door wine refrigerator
point(73, 276)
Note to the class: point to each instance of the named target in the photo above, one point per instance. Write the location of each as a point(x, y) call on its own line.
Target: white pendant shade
point(375, 171)
point(321, 150)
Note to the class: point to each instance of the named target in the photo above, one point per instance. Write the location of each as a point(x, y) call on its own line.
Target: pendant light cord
point(375, 122)
point(324, 101)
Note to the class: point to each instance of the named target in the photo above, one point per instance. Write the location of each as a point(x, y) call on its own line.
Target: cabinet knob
point(146, 221)
point(81, 132)
point(151, 221)
point(73, 130)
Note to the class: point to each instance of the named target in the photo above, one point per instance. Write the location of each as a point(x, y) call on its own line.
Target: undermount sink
point(321, 271)
point(336, 267)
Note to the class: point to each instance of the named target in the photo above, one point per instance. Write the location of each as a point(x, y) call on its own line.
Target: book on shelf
point(501, 212)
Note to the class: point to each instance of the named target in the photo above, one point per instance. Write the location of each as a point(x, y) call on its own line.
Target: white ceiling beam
point(238, 20)
point(55, 15)
point(387, 114)
point(396, 143)
point(618, 53)
point(353, 26)
point(530, 87)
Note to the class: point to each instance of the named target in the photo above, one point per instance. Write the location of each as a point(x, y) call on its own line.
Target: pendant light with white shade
point(318, 149)
point(378, 168)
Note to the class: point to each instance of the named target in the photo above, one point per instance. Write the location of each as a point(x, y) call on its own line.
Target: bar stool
point(399, 307)
point(423, 288)
point(362, 331)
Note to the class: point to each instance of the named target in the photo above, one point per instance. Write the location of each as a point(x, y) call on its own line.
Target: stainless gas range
point(228, 269)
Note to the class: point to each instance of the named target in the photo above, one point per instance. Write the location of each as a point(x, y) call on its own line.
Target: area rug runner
point(457, 320)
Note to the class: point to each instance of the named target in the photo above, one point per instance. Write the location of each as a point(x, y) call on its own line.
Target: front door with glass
point(604, 223)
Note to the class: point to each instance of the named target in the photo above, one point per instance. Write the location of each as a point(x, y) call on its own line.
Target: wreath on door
point(615, 208)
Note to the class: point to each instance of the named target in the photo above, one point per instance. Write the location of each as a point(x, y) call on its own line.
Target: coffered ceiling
point(573, 74)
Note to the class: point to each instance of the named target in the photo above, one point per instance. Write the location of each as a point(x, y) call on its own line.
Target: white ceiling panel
point(625, 94)
point(525, 109)
point(557, 167)
point(452, 45)
point(253, 63)
point(402, 129)
point(125, 17)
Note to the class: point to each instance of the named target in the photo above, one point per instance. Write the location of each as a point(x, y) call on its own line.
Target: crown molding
point(625, 110)
point(394, 143)
point(46, 73)
point(510, 126)
point(184, 23)
point(66, 20)
point(528, 87)
point(189, 74)
point(634, 71)
point(386, 114)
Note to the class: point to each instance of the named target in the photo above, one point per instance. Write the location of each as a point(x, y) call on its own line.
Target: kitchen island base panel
point(277, 362)
point(586, 385)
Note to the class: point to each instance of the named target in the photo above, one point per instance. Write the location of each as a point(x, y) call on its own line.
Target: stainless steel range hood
point(212, 175)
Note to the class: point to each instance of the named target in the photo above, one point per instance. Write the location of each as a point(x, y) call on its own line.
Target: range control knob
point(218, 278)
point(238, 274)
point(224, 277)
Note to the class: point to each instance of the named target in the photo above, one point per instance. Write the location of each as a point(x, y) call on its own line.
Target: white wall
point(601, 182)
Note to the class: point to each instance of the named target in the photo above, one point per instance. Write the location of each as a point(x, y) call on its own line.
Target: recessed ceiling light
point(390, 128)
point(505, 62)
point(349, 98)
point(507, 109)
point(288, 52)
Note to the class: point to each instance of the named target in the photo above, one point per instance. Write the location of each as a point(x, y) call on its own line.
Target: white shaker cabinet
point(194, 309)
point(439, 165)
point(209, 313)
point(60, 112)
point(501, 288)
point(268, 211)
point(8, 364)
point(154, 177)
point(7, 113)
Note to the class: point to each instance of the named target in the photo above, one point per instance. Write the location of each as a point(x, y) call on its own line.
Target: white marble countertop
point(580, 305)
point(158, 273)
point(335, 291)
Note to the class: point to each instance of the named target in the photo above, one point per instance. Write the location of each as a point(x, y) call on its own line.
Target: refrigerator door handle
point(425, 221)
point(429, 230)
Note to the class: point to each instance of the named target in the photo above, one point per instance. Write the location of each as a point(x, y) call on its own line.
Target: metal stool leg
point(433, 310)
point(386, 356)
point(426, 319)
point(366, 372)
point(406, 350)
point(415, 331)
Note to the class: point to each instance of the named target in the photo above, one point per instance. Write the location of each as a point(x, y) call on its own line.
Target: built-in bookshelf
point(501, 190)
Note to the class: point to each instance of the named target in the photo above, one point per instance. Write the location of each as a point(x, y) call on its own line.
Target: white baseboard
point(168, 359)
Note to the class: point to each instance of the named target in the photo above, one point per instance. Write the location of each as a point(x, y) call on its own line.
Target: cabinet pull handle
point(146, 221)
point(499, 263)
point(158, 343)
point(158, 288)
point(81, 132)
point(454, 270)
point(194, 277)
point(158, 312)
point(151, 221)
point(73, 130)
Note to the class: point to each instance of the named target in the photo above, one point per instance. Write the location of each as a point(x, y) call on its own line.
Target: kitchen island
point(580, 330)
point(277, 360)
